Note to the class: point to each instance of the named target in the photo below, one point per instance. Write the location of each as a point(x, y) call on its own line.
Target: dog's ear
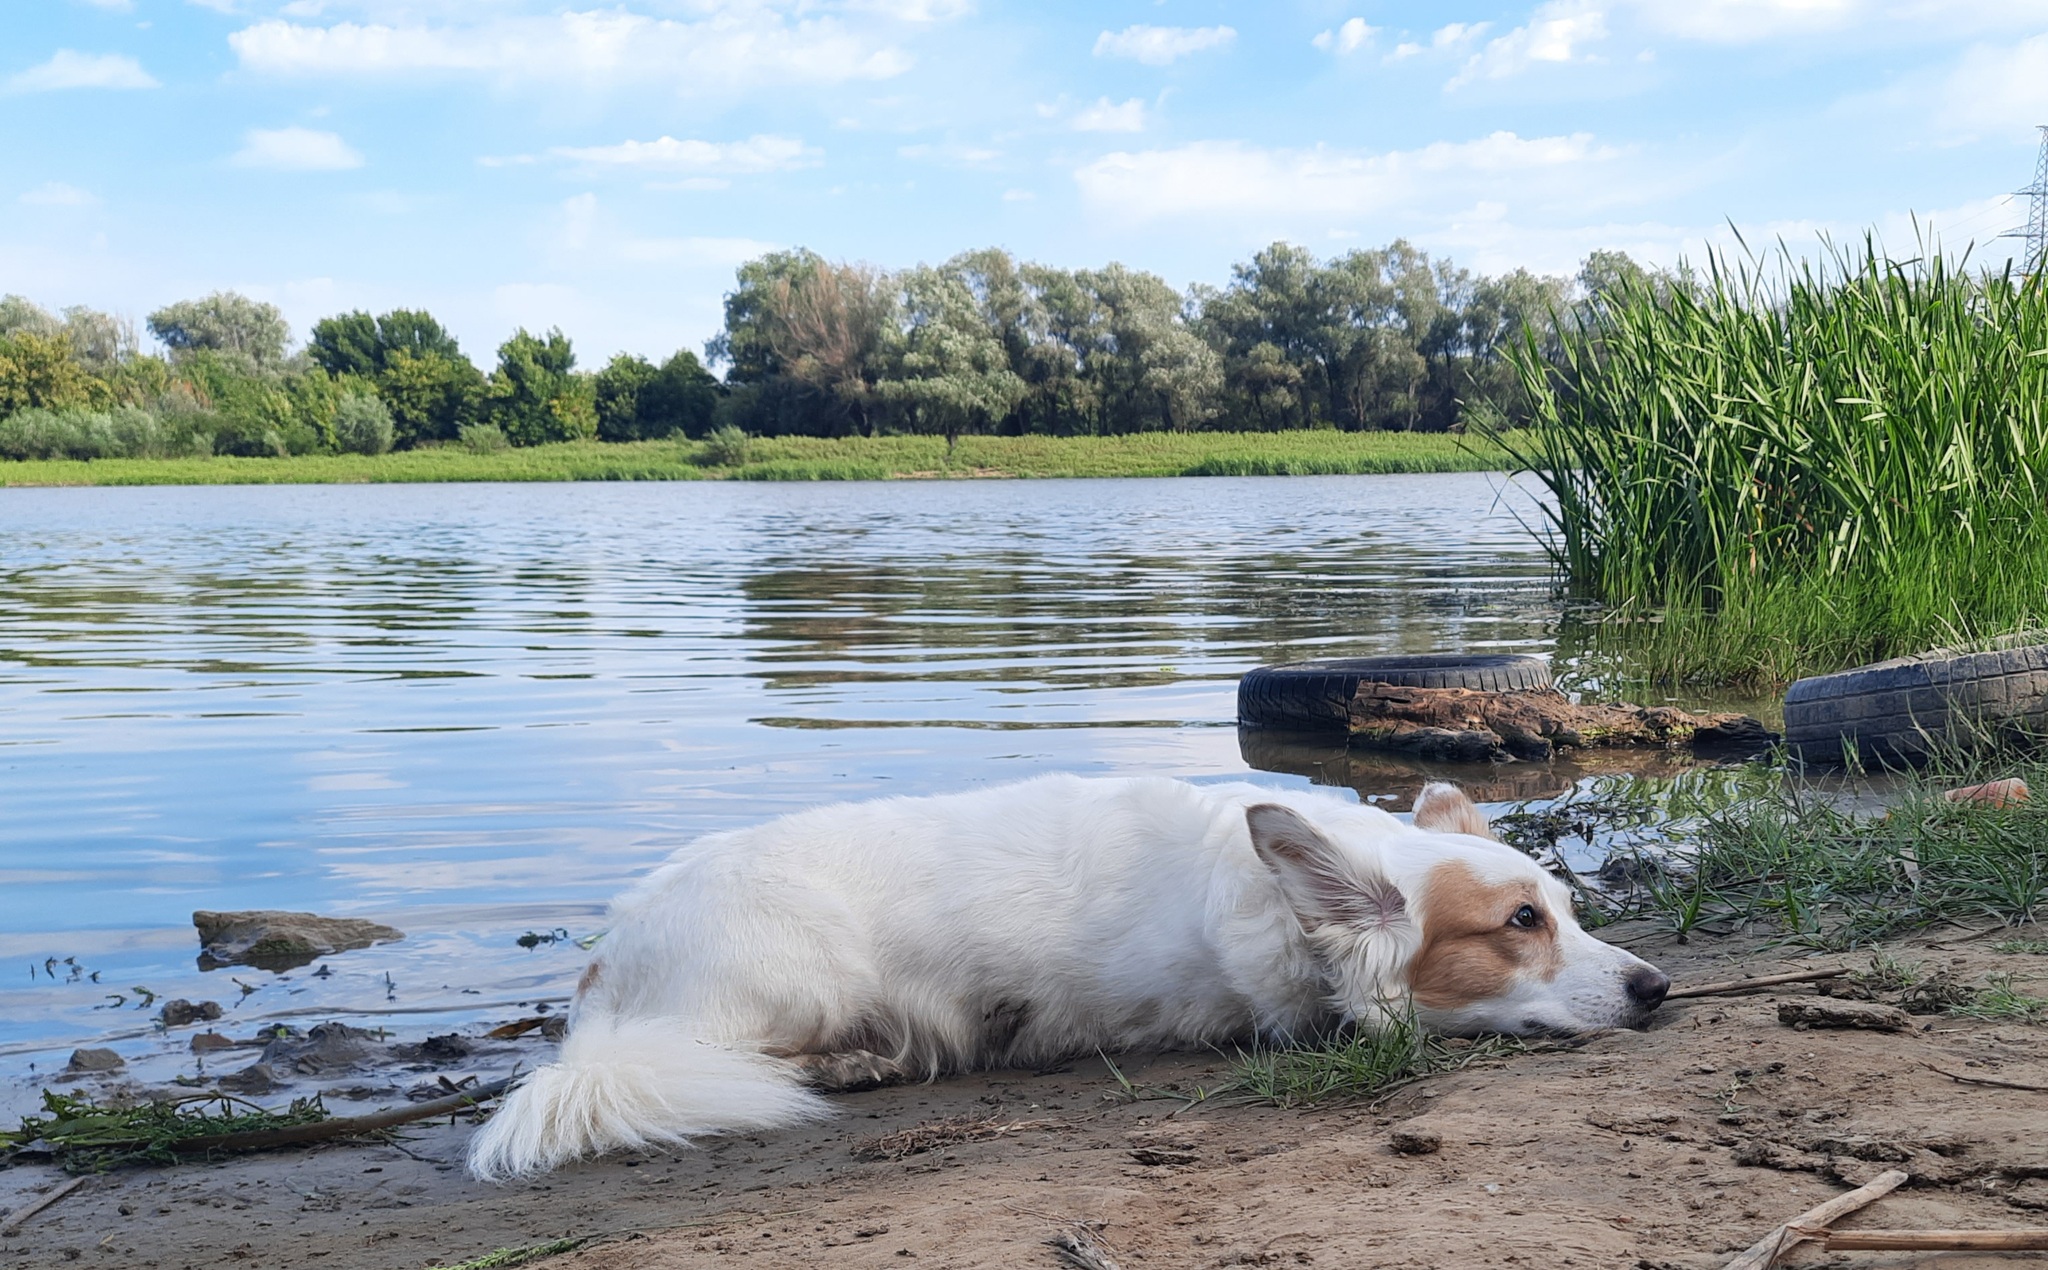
point(1321, 882)
point(1442, 808)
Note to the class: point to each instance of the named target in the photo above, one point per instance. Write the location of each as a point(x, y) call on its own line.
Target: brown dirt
point(1670, 1148)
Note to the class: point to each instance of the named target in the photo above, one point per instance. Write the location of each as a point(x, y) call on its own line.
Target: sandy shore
point(1666, 1148)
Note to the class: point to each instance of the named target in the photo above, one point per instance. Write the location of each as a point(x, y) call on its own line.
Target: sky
point(603, 169)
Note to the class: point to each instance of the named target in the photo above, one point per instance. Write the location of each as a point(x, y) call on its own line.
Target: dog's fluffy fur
point(912, 936)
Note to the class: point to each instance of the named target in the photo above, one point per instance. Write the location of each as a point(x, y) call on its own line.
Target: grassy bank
point(813, 459)
point(1792, 470)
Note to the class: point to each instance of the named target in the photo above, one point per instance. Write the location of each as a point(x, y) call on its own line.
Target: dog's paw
point(848, 1071)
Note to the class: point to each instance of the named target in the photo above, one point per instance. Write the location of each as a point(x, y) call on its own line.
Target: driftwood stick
point(1993, 1081)
point(1764, 1253)
point(2033, 1240)
point(1744, 985)
point(26, 1211)
point(341, 1126)
point(1078, 1247)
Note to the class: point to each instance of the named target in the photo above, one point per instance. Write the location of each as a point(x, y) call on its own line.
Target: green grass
point(506, 1257)
point(1358, 1064)
point(1799, 468)
point(2000, 1001)
point(814, 459)
point(1728, 851)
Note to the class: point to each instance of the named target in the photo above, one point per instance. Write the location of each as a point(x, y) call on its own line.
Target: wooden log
point(2034, 1240)
point(17, 1217)
point(1745, 985)
point(1764, 1253)
point(340, 1126)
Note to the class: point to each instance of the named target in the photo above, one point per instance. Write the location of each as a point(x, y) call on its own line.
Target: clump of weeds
point(88, 1137)
point(2000, 1001)
point(1357, 1064)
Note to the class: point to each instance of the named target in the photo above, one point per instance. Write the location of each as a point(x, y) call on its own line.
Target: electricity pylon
point(2036, 231)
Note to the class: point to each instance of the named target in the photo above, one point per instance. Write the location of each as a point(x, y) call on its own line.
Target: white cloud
point(1229, 179)
point(295, 150)
point(1352, 36)
point(717, 253)
point(68, 68)
point(1748, 21)
point(1989, 88)
point(1557, 32)
point(58, 194)
point(1109, 116)
point(666, 154)
point(734, 47)
point(1159, 45)
point(1445, 39)
point(1018, 196)
point(112, 6)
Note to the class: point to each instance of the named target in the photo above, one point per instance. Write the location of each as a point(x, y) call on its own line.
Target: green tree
point(362, 424)
point(637, 400)
point(358, 344)
point(535, 395)
point(430, 396)
point(224, 322)
point(616, 396)
point(37, 369)
point(953, 374)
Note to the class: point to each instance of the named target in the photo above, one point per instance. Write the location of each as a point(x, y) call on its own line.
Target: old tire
point(1316, 695)
point(1898, 712)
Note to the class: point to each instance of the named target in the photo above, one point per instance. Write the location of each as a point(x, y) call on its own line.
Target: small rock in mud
point(96, 1060)
point(273, 940)
point(180, 1012)
point(209, 1041)
point(256, 1078)
point(327, 1047)
point(1823, 1012)
point(1415, 1142)
point(450, 1048)
point(1162, 1155)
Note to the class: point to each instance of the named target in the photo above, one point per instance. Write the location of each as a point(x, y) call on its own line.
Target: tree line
point(1388, 338)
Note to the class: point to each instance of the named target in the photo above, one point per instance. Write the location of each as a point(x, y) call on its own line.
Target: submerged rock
point(1468, 726)
point(95, 1060)
point(180, 1012)
point(328, 1047)
point(273, 940)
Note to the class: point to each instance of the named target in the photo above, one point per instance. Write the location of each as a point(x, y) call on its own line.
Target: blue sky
point(512, 162)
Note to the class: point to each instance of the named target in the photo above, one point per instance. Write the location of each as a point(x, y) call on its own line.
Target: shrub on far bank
point(726, 446)
point(483, 438)
point(124, 432)
point(362, 425)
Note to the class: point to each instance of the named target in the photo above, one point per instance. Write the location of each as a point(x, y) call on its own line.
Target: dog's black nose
point(1647, 986)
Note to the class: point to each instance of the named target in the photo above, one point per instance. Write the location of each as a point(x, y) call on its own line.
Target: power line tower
point(2036, 232)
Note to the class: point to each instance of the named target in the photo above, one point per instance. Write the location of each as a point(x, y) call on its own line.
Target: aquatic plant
point(1797, 465)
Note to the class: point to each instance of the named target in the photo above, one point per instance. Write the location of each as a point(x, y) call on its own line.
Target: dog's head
point(1478, 936)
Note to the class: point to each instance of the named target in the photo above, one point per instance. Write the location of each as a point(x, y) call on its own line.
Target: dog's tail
point(636, 1083)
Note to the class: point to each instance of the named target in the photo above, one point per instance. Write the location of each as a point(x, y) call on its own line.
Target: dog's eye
point(1526, 917)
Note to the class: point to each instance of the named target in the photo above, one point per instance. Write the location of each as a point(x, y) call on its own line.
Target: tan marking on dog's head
point(1479, 936)
point(588, 979)
point(1442, 808)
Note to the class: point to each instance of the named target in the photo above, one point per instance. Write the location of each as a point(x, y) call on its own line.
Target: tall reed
point(1801, 439)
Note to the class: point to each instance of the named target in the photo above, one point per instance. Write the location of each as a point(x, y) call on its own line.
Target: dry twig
point(15, 1219)
point(1811, 1224)
point(2034, 1240)
point(1993, 1081)
point(1745, 985)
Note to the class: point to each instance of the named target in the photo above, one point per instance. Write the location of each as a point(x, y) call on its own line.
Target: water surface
point(473, 711)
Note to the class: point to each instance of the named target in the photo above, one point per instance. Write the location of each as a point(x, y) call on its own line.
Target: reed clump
point(1797, 465)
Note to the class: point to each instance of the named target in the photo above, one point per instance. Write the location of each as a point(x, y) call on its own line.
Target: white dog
point(911, 936)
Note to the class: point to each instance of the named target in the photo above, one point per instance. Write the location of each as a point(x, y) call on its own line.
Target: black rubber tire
point(1316, 695)
point(1898, 712)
